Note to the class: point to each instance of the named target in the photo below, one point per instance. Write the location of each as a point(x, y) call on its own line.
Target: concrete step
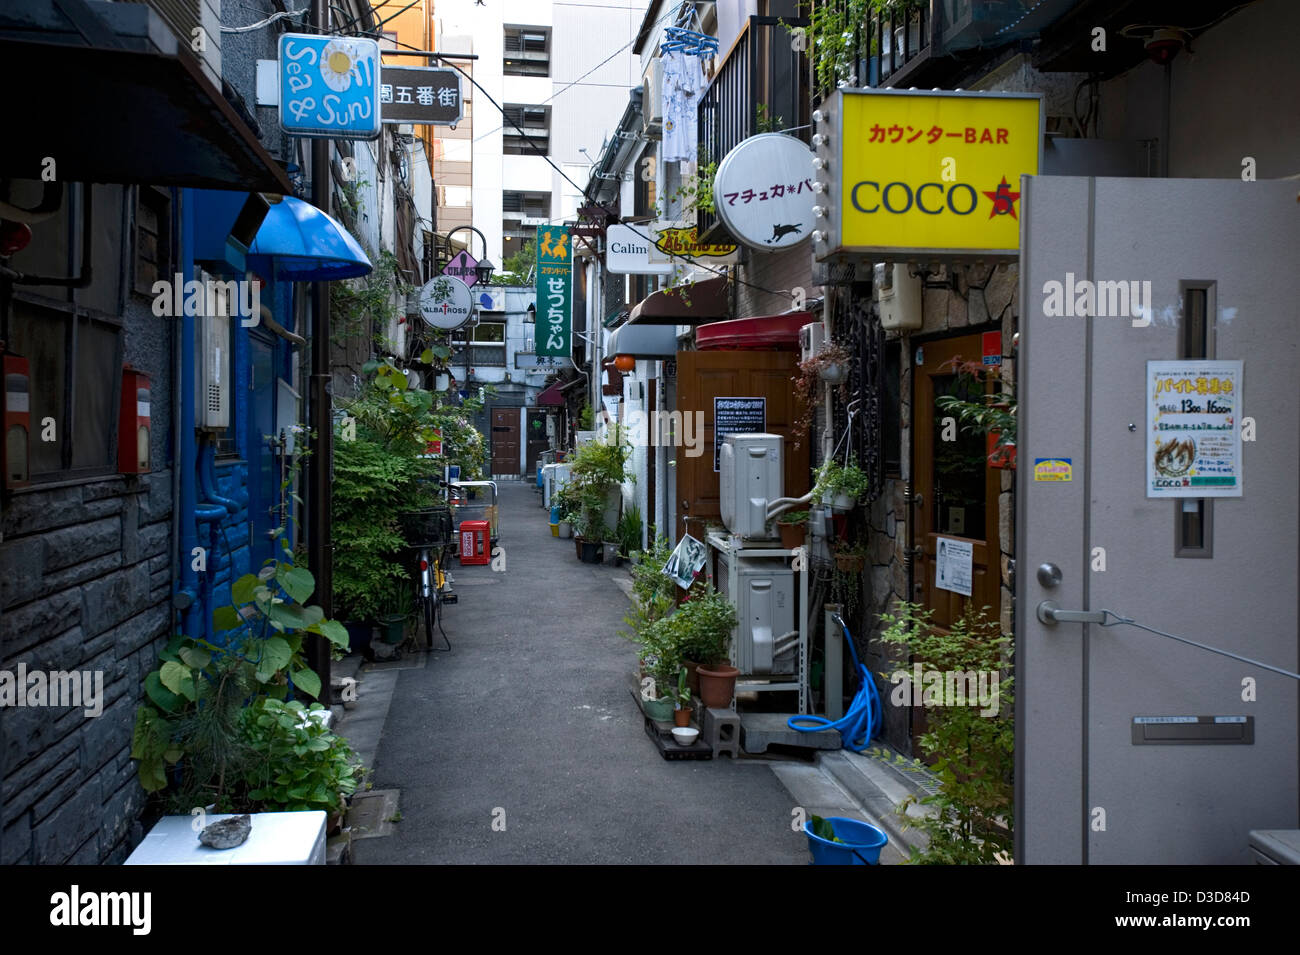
point(758, 731)
point(879, 790)
point(816, 793)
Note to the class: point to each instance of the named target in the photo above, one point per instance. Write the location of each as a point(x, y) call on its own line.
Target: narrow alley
point(531, 713)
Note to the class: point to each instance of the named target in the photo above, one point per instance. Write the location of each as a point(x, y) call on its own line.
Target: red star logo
point(1004, 200)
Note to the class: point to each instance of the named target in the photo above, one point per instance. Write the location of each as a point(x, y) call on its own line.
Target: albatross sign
point(446, 303)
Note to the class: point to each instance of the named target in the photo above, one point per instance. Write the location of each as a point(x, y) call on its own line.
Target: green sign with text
point(554, 291)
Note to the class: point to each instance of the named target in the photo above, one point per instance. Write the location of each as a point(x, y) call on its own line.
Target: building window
point(75, 364)
point(527, 51)
point(535, 138)
point(152, 238)
point(481, 345)
point(522, 213)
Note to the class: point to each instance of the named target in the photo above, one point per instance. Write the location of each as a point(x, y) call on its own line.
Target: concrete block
point(758, 731)
point(721, 731)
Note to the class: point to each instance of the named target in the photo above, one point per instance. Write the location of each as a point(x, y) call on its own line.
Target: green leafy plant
point(517, 269)
point(296, 763)
point(653, 591)
point(586, 418)
point(628, 531)
point(994, 412)
point(192, 725)
point(835, 478)
point(764, 122)
point(792, 518)
point(972, 755)
point(704, 623)
point(682, 693)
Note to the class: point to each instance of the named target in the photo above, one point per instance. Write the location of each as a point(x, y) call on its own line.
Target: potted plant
point(705, 622)
point(398, 608)
point(628, 532)
point(993, 413)
point(840, 485)
point(850, 558)
point(682, 698)
point(793, 528)
point(829, 366)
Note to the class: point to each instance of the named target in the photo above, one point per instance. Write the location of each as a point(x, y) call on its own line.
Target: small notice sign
point(1053, 469)
point(953, 565)
point(991, 346)
point(736, 416)
point(1193, 446)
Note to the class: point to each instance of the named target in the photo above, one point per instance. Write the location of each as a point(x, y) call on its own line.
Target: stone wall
point(85, 579)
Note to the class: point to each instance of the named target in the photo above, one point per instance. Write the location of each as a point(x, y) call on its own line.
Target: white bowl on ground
point(685, 735)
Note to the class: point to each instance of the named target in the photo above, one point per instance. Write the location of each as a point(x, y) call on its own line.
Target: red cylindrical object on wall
point(17, 422)
point(133, 423)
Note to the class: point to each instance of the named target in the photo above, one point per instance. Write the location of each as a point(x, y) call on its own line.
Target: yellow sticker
point(1053, 469)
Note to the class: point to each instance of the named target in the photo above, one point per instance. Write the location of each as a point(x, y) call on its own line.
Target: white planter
point(839, 503)
point(566, 529)
point(834, 373)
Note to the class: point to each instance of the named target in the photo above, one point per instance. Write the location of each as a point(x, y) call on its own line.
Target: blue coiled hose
point(862, 722)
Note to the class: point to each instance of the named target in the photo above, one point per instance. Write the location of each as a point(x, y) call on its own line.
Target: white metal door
point(1087, 789)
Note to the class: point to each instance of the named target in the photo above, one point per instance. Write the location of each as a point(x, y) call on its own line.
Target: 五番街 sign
point(904, 172)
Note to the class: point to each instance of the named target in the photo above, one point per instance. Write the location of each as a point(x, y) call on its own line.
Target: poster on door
point(1193, 445)
point(953, 561)
point(736, 416)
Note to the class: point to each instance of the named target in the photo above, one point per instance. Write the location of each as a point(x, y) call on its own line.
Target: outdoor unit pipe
point(208, 479)
point(187, 593)
point(782, 504)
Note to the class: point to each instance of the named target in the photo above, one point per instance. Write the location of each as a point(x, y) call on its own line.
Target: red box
point(133, 423)
point(474, 543)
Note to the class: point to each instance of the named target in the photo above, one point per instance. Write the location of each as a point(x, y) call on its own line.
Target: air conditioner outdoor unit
point(811, 338)
point(766, 641)
point(652, 99)
point(750, 476)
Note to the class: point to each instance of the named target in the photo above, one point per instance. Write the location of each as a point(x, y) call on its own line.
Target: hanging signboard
point(420, 95)
point(329, 86)
point(686, 562)
point(953, 562)
point(1193, 446)
point(906, 172)
point(554, 291)
point(763, 192)
point(446, 303)
point(676, 242)
point(462, 266)
point(627, 252)
point(736, 416)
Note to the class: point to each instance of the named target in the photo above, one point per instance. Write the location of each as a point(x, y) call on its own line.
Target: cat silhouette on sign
point(779, 231)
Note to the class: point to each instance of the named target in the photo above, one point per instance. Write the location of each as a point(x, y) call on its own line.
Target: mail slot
point(1192, 730)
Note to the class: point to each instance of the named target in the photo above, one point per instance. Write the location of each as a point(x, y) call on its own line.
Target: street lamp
point(485, 268)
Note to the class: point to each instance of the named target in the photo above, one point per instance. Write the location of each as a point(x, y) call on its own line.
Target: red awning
point(703, 301)
point(769, 333)
point(551, 396)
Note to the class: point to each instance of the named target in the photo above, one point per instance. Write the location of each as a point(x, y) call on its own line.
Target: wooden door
point(505, 441)
point(958, 488)
point(705, 375)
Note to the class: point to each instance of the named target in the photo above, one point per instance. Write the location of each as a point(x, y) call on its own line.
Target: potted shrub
point(850, 558)
point(628, 532)
point(682, 698)
point(398, 607)
point(704, 623)
point(841, 485)
point(829, 366)
point(793, 528)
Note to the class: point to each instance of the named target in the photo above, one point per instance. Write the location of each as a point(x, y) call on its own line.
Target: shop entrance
point(505, 441)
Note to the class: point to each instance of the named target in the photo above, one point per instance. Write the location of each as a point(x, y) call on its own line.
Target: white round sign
point(763, 192)
point(446, 302)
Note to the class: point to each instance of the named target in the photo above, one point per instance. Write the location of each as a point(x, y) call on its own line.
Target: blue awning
point(300, 243)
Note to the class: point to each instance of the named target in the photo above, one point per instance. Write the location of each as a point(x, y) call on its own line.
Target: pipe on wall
point(186, 459)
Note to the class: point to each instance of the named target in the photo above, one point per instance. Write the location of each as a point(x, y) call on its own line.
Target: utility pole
point(320, 464)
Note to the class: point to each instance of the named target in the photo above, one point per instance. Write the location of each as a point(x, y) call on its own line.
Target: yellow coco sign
point(933, 173)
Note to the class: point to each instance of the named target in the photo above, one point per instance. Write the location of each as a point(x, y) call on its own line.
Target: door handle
point(1050, 613)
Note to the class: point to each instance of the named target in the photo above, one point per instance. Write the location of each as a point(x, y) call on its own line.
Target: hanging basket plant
point(831, 366)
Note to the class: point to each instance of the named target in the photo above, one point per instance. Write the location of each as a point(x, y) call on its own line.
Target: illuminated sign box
point(932, 175)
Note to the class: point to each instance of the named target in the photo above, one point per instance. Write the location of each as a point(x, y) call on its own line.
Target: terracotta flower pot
point(718, 684)
point(792, 535)
point(682, 717)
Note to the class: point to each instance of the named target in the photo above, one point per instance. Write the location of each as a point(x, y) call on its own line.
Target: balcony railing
point(761, 87)
point(479, 356)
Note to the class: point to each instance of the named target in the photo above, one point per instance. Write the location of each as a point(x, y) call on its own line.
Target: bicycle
point(429, 534)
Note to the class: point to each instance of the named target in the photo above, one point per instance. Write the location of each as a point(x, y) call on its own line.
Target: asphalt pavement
point(524, 744)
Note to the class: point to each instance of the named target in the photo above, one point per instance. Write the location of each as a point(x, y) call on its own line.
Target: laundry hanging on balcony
point(683, 85)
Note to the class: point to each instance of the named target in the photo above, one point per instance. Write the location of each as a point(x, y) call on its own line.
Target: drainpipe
point(186, 598)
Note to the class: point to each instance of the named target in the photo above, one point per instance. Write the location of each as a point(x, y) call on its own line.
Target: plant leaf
point(297, 582)
point(275, 656)
point(308, 681)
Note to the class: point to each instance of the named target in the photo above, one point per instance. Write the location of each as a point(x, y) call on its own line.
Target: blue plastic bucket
point(555, 514)
point(861, 846)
